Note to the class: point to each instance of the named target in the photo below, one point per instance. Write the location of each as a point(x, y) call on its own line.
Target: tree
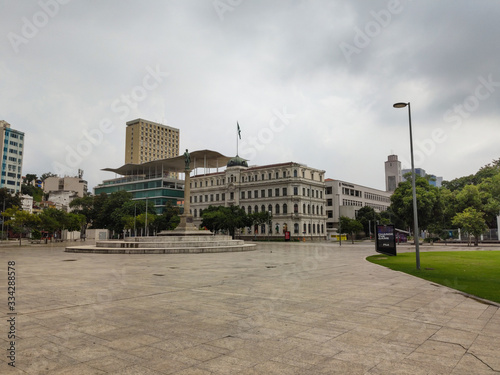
point(8, 199)
point(20, 221)
point(367, 217)
point(258, 218)
point(471, 222)
point(53, 220)
point(75, 222)
point(34, 191)
point(169, 219)
point(230, 218)
point(427, 202)
point(46, 175)
point(350, 226)
point(29, 178)
point(105, 207)
point(84, 206)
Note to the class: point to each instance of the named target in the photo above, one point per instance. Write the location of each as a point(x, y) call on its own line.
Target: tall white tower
point(393, 174)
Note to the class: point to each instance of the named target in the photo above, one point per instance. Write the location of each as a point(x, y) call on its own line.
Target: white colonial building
point(293, 193)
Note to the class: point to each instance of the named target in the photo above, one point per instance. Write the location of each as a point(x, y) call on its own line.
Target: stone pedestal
point(185, 228)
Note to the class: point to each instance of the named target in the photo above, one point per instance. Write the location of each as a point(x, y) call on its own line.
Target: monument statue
point(187, 160)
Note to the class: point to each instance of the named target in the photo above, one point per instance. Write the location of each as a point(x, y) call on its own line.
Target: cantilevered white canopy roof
point(199, 159)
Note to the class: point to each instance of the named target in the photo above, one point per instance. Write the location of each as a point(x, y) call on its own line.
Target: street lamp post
point(415, 216)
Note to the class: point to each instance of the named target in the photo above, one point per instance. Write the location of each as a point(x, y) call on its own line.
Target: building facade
point(27, 203)
point(293, 193)
point(147, 141)
point(151, 187)
point(12, 157)
point(73, 184)
point(393, 173)
point(345, 199)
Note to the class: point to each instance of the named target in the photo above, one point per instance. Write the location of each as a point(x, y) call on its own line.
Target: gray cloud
point(249, 62)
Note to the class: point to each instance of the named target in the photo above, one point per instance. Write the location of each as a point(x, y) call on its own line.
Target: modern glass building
point(153, 188)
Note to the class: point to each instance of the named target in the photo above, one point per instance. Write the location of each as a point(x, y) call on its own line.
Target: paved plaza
point(297, 308)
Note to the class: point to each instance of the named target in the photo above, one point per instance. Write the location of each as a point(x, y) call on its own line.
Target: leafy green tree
point(20, 221)
point(29, 178)
point(428, 205)
point(53, 220)
point(106, 206)
point(230, 218)
point(471, 222)
point(84, 206)
point(34, 191)
point(10, 200)
point(350, 226)
point(169, 219)
point(258, 218)
point(367, 217)
point(146, 224)
point(75, 222)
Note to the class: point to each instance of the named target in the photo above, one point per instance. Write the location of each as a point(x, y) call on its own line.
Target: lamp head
point(400, 105)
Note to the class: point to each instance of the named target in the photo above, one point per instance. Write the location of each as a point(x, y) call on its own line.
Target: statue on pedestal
point(187, 160)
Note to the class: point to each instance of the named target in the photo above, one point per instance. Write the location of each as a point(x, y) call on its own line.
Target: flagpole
point(237, 135)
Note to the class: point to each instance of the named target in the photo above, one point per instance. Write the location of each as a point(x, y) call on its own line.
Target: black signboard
point(386, 240)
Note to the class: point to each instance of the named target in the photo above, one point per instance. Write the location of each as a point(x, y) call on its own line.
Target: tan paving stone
point(322, 310)
point(456, 336)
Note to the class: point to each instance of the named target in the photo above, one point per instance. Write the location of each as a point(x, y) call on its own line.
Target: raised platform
point(180, 244)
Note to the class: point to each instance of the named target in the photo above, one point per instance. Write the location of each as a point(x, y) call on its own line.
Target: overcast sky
point(312, 82)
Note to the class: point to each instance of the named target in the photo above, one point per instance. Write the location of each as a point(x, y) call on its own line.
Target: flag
point(239, 130)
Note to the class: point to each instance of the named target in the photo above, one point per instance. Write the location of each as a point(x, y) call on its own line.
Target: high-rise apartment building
point(12, 157)
point(148, 141)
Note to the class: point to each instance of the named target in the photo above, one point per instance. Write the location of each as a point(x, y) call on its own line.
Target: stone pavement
point(298, 308)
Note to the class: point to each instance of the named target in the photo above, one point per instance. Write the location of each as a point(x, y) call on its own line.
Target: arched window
point(295, 208)
point(249, 209)
point(285, 208)
point(304, 208)
point(263, 208)
point(296, 228)
point(195, 212)
point(322, 211)
point(309, 209)
point(313, 209)
point(256, 208)
point(295, 175)
point(277, 209)
point(270, 208)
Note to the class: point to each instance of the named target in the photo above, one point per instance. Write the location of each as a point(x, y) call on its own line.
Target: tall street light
point(415, 216)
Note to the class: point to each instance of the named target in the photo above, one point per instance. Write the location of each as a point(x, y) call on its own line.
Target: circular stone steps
point(165, 245)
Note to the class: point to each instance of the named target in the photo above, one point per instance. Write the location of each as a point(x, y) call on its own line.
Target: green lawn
point(473, 272)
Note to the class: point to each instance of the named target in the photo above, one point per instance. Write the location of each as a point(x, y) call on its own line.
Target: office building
point(293, 193)
point(149, 184)
point(147, 141)
point(12, 157)
point(346, 198)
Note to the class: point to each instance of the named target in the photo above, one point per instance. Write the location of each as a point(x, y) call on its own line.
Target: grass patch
point(473, 272)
